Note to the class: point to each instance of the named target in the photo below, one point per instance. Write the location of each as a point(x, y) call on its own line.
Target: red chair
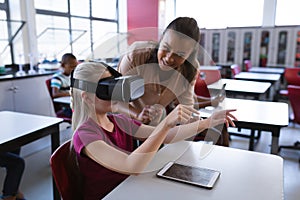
point(211, 75)
point(292, 77)
point(201, 88)
point(57, 107)
point(294, 98)
point(248, 65)
point(235, 69)
point(66, 173)
point(204, 78)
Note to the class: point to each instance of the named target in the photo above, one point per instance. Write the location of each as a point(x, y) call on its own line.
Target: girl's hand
point(144, 116)
point(222, 116)
point(180, 115)
point(151, 114)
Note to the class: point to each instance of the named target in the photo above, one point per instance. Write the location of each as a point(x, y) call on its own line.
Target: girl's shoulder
point(88, 132)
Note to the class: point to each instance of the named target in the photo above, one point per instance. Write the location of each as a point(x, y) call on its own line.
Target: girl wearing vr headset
point(103, 140)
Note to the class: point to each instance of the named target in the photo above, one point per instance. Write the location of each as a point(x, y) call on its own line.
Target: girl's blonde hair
point(88, 71)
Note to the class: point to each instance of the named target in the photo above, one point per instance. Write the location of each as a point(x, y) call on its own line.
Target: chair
point(292, 77)
point(57, 107)
point(201, 89)
point(66, 173)
point(248, 65)
point(204, 78)
point(294, 98)
point(235, 69)
point(211, 75)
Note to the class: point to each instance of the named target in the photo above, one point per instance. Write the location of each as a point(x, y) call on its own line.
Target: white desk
point(267, 70)
point(208, 67)
point(18, 129)
point(263, 77)
point(257, 115)
point(242, 87)
point(244, 175)
point(62, 100)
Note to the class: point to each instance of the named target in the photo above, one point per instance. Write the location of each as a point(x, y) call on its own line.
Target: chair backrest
point(48, 84)
point(57, 108)
point(235, 69)
point(294, 98)
point(211, 75)
point(66, 173)
point(200, 88)
point(248, 65)
point(292, 75)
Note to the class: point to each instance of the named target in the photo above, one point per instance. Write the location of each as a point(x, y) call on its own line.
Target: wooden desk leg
point(55, 142)
point(275, 140)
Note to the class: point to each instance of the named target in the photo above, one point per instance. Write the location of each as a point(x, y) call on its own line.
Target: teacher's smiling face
point(173, 50)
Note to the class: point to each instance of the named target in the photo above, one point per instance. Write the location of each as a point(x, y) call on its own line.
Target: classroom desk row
point(262, 81)
point(226, 68)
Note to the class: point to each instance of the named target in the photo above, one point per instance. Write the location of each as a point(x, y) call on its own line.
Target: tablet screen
point(189, 174)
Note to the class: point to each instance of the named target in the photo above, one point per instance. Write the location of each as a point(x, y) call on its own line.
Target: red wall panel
point(142, 19)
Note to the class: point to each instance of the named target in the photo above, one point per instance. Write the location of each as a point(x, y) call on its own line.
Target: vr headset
point(115, 87)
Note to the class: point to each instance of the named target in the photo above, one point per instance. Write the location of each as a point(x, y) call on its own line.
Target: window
point(53, 36)
point(11, 44)
point(76, 29)
point(222, 14)
point(104, 9)
point(80, 8)
point(53, 5)
point(287, 12)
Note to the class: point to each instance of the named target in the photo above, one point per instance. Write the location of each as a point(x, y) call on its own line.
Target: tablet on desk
point(197, 176)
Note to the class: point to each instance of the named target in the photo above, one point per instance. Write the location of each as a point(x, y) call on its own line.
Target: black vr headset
point(115, 87)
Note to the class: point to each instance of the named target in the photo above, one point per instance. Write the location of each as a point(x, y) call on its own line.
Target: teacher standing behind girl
point(169, 67)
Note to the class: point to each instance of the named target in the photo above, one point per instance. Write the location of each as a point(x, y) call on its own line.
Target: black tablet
point(197, 176)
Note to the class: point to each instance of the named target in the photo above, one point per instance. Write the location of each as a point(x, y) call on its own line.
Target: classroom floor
point(37, 179)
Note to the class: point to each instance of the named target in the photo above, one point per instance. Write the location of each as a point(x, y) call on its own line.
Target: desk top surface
point(244, 175)
point(253, 111)
point(15, 124)
point(208, 67)
point(258, 76)
point(64, 100)
point(267, 70)
point(241, 86)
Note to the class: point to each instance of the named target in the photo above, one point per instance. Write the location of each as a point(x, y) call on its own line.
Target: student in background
point(103, 141)
point(14, 165)
point(60, 82)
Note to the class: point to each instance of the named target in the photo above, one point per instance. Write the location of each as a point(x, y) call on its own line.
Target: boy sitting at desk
point(60, 82)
